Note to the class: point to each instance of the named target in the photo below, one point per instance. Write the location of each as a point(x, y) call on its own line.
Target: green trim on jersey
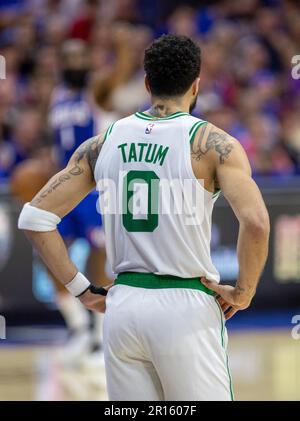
point(223, 345)
point(152, 281)
point(148, 117)
point(194, 125)
point(108, 131)
point(194, 129)
point(110, 128)
point(192, 133)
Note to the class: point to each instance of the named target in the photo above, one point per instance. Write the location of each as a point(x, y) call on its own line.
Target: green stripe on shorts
point(223, 346)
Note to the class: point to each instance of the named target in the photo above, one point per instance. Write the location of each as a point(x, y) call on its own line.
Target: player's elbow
point(258, 223)
point(30, 235)
point(32, 219)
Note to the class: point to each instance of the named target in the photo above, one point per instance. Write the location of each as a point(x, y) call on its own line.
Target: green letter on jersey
point(148, 195)
point(161, 154)
point(122, 147)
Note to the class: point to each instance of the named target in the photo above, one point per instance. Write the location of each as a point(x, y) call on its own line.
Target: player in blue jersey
point(73, 118)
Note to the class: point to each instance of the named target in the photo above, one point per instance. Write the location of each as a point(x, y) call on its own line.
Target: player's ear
point(196, 86)
point(147, 84)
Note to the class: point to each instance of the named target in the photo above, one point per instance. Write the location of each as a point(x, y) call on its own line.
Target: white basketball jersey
point(156, 214)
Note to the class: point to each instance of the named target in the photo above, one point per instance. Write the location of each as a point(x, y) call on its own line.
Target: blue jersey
point(72, 120)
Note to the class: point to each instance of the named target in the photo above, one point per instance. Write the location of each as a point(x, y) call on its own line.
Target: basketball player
point(73, 118)
point(164, 333)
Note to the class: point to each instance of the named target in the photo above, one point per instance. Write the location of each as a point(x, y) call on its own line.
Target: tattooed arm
point(232, 173)
point(60, 195)
point(67, 188)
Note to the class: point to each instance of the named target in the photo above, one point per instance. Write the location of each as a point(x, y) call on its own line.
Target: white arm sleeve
point(34, 219)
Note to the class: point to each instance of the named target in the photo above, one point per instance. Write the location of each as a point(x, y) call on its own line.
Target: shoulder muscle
point(89, 152)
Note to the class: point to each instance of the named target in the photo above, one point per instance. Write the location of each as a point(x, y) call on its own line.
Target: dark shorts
point(84, 222)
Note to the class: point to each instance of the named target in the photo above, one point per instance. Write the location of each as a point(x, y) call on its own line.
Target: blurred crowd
point(247, 86)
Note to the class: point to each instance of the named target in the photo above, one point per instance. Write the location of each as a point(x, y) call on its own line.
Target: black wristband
point(97, 290)
point(83, 292)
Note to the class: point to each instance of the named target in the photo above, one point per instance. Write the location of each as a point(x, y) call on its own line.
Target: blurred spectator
point(27, 133)
point(182, 22)
point(24, 140)
point(83, 22)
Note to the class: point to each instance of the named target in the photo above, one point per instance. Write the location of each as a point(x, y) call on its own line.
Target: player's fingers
point(97, 304)
point(220, 300)
point(225, 307)
point(214, 286)
point(99, 308)
point(230, 313)
point(101, 305)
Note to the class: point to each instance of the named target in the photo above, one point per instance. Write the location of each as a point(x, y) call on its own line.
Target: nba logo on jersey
point(149, 128)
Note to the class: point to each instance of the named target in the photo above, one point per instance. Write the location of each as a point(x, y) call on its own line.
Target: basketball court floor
point(265, 365)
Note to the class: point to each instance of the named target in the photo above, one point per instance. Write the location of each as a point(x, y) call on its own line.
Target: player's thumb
point(214, 286)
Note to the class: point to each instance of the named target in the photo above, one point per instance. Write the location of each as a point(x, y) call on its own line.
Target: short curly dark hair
point(172, 63)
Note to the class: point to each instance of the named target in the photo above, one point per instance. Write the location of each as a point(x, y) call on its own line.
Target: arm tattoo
point(244, 290)
point(219, 141)
point(90, 150)
point(76, 170)
point(240, 290)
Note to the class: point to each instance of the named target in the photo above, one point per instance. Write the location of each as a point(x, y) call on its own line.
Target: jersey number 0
point(140, 201)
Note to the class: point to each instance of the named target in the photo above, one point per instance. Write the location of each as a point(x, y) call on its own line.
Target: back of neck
point(162, 108)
